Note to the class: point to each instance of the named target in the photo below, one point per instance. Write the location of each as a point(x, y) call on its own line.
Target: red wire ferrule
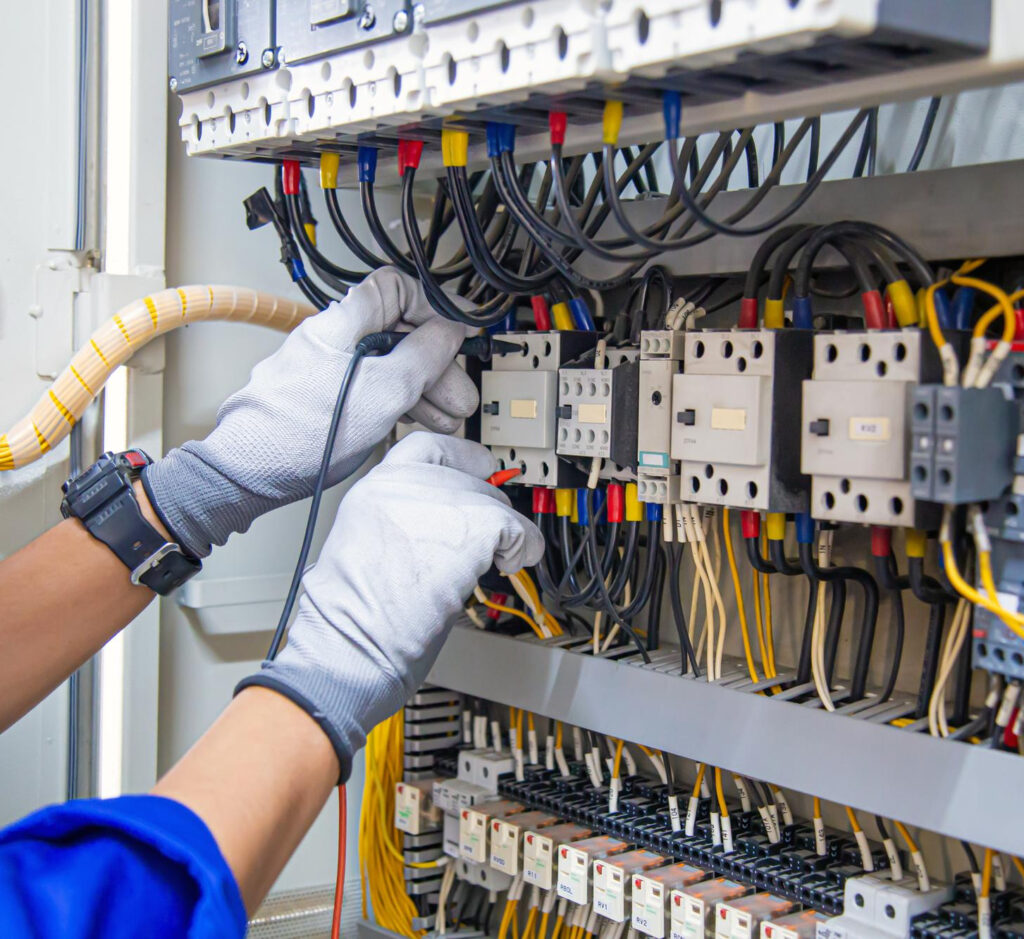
point(750, 524)
point(503, 476)
point(543, 501)
point(541, 313)
point(748, 313)
point(616, 502)
point(881, 541)
point(557, 123)
point(290, 177)
point(409, 154)
point(874, 309)
point(501, 599)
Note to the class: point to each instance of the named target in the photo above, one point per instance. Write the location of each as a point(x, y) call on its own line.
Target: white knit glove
point(409, 544)
point(268, 443)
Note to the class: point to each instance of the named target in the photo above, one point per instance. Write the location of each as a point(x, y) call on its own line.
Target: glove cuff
point(198, 504)
point(347, 694)
point(341, 747)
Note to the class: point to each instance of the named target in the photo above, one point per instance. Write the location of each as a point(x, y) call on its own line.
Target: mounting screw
point(268, 58)
point(368, 19)
point(419, 13)
point(173, 84)
point(241, 54)
point(401, 21)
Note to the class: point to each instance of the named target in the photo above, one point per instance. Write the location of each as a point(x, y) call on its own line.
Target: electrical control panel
point(856, 429)
point(735, 424)
point(211, 41)
point(518, 406)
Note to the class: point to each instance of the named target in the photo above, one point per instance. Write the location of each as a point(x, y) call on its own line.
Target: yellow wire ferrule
point(611, 122)
point(574, 514)
point(774, 314)
point(310, 231)
point(565, 502)
point(562, 316)
point(454, 147)
point(917, 540)
point(903, 302)
point(634, 507)
point(776, 526)
point(329, 163)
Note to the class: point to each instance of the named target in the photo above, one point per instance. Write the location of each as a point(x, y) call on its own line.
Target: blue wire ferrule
point(506, 325)
point(803, 315)
point(367, 160)
point(581, 314)
point(583, 507)
point(804, 528)
point(942, 309)
point(597, 502)
point(501, 138)
point(963, 307)
point(653, 512)
point(672, 112)
point(298, 269)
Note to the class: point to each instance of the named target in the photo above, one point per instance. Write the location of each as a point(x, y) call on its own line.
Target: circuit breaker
point(518, 406)
point(597, 415)
point(661, 358)
point(211, 41)
point(735, 424)
point(855, 436)
point(307, 29)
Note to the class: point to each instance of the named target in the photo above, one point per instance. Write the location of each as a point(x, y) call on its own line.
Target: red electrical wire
point(339, 883)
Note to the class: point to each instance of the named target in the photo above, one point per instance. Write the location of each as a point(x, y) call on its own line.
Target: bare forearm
point(258, 778)
point(63, 596)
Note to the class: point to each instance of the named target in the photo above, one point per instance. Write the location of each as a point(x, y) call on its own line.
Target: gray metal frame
point(941, 785)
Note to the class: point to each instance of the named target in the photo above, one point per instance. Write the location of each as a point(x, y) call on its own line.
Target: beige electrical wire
point(118, 339)
point(937, 721)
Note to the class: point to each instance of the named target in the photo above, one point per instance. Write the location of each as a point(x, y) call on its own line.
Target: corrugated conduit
point(56, 412)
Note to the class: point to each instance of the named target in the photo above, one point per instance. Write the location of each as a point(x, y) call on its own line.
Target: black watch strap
point(103, 498)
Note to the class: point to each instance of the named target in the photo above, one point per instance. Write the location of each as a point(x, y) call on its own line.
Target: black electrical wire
point(657, 594)
point(963, 676)
point(837, 610)
point(806, 191)
point(778, 141)
point(866, 582)
point(630, 541)
point(777, 550)
point(868, 147)
point(757, 560)
point(675, 562)
point(349, 238)
point(815, 150)
point(889, 578)
point(363, 347)
point(765, 250)
point(494, 311)
point(803, 669)
point(926, 589)
point(972, 860)
point(335, 276)
point(926, 134)
point(930, 661)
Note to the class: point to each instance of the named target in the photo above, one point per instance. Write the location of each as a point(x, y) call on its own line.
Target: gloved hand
point(410, 542)
point(268, 443)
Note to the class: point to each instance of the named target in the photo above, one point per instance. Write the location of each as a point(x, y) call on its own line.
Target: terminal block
point(597, 414)
point(964, 443)
point(518, 401)
point(736, 427)
point(855, 438)
point(661, 359)
point(876, 907)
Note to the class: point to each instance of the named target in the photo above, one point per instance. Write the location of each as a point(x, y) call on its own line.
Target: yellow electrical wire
point(1002, 300)
point(617, 762)
point(511, 611)
point(854, 824)
point(905, 835)
point(994, 312)
point(531, 920)
point(817, 807)
point(1013, 620)
point(759, 622)
point(558, 735)
point(986, 874)
point(1018, 863)
point(542, 930)
point(559, 922)
point(769, 634)
point(723, 809)
point(699, 780)
point(741, 607)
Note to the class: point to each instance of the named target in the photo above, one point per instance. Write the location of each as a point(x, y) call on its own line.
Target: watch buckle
point(168, 547)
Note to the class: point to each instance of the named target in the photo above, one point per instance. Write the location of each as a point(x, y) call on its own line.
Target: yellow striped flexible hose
point(120, 337)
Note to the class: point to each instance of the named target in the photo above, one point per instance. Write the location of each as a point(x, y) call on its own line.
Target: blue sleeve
point(133, 866)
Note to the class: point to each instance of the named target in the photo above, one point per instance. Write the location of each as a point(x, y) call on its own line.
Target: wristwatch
point(103, 498)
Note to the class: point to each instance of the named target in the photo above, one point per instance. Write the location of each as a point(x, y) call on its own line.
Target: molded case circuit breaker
point(518, 402)
point(736, 418)
point(855, 437)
